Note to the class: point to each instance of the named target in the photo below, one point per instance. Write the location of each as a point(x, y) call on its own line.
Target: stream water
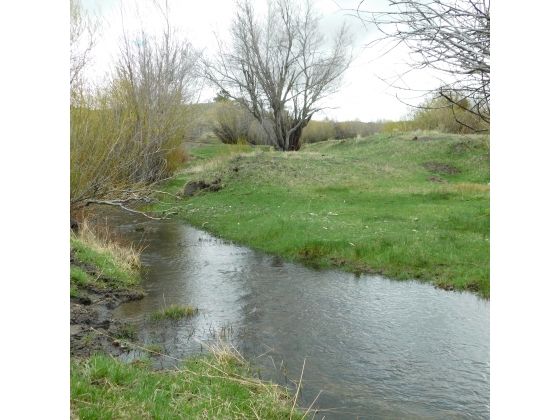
point(373, 348)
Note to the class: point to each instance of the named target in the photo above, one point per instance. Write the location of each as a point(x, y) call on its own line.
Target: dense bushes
point(318, 131)
point(439, 114)
point(328, 129)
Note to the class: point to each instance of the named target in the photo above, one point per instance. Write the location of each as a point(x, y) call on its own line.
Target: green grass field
point(387, 204)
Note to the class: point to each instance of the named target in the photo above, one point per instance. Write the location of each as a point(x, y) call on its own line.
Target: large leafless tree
point(280, 66)
point(450, 37)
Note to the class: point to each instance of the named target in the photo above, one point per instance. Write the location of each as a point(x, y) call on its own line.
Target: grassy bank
point(219, 385)
point(97, 260)
point(404, 208)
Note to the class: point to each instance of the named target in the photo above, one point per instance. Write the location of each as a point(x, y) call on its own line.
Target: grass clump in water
point(174, 311)
point(126, 332)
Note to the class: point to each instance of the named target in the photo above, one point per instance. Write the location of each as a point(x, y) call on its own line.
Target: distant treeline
point(233, 124)
point(329, 129)
point(439, 114)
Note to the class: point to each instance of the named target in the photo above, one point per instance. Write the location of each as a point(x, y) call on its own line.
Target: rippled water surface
point(373, 348)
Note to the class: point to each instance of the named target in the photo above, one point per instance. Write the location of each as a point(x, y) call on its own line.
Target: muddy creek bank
point(92, 324)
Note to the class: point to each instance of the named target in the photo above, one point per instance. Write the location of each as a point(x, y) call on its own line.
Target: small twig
point(99, 276)
point(298, 388)
point(165, 192)
point(266, 352)
point(254, 411)
point(477, 265)
point(82, 401)
point(307, 411)
point(119, 203)
point(137, 346)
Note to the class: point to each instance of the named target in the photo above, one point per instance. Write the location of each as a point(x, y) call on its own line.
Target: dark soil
point(437, 179)
point(464, 146)
point(193, 186)
point(427, 138)
point(441, 168)
point(92, 328)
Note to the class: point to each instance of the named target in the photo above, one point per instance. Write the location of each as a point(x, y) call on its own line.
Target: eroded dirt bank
point(92, 327)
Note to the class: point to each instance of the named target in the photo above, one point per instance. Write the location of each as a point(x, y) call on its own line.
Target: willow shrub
point(437, 113)
point(318, 131)
point(118, 146)
point(327, 129)
point(126, 133)
point(235, 125)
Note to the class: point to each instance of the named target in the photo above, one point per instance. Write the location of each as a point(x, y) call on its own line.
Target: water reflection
point(374, 348)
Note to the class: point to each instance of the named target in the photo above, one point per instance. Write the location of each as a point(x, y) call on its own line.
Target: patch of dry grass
point(101, 260)
point(466, 188)
point(99, 239)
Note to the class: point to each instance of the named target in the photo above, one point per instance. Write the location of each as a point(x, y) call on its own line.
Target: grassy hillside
point(406, 206)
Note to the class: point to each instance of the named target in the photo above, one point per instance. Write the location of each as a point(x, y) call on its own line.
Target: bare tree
point(85, 30)
point(156, 76)
point(451, 37)
point(280, 67)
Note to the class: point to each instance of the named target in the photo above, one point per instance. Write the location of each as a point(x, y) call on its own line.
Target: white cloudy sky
point(363, 95)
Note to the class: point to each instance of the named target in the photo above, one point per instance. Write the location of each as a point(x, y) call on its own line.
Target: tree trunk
point(295, 139)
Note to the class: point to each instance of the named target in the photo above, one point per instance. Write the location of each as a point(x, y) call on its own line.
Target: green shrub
point(318, 131)
point(437, 113)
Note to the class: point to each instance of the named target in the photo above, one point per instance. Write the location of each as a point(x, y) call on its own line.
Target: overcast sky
point(363, 94)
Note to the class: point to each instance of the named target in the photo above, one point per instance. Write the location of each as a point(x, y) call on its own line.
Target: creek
point(373, 348)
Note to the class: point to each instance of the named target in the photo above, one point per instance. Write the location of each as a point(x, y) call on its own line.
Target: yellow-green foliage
point(174, 311)
point(116, 145)
point(437, 113)
point(127, 132)
point(397, 127)
point(217, 386)
point(327, 129)
point(318, 131)
point(94, 246)
point(97, 239)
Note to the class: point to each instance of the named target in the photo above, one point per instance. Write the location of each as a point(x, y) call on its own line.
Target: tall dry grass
point(99, 238)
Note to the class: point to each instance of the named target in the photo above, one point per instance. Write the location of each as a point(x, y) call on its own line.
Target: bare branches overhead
point(84, 34)
point(450, 37)
point(280, 66)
